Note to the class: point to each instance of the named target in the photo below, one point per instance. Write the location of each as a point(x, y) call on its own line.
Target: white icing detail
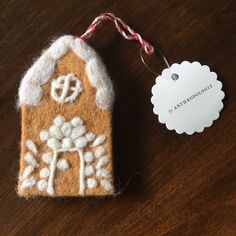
point(44, 173)
point(106, 185)
point(59, 47)
point(99, 151)
point(30, 91)
point(76, 121)
point(98, 78)
point(88, 157)
point(27, 171)
point(29, 158)
point(50, 188)
point(62, 164)
point(59, 121)
point(91, 183)
point(90, 136)
point(31, 146)
point(83, 50)
point(55, 132)
point(28, 183)
point(103, 173)
point(66, 129)
point(53, 143)
point(42, 185)
point(70, 142)
point(89, 170)
point(81, 142)
point(82, 184)
point(44, 135)
point(68, 150)
point(99, 140)
point(102, 162)
point(47, 157)
point(63, 83)
point(77, 132)
point(67, 143)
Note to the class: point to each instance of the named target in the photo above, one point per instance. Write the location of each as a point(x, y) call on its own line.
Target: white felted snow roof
point(30, 91)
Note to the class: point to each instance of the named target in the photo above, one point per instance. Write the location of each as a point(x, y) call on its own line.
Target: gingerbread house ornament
point(66, 101)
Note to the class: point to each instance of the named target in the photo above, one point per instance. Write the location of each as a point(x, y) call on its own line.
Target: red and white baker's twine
point(121, 27)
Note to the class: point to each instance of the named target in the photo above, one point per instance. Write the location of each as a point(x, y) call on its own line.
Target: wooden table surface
point(170, 184)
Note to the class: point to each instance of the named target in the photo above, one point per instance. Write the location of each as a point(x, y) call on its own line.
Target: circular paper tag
point(187, 97)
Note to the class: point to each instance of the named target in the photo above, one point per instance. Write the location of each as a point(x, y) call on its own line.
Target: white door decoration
point(66, 88)
point(69, 136)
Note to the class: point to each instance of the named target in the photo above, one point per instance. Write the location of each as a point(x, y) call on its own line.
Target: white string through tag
point(148, 67)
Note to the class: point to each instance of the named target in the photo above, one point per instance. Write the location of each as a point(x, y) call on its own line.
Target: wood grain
point(180, 185)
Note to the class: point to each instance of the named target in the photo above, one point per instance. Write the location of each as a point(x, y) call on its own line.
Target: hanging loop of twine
point(126, 32)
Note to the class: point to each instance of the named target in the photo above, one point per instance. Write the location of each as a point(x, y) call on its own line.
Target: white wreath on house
point(70, 87)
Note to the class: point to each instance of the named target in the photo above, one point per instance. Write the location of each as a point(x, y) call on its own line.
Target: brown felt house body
point(66, 100)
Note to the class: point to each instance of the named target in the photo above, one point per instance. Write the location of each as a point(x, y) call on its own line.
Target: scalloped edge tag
point(190, 102)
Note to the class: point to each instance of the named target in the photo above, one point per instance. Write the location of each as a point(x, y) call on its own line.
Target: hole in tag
point(175, 76)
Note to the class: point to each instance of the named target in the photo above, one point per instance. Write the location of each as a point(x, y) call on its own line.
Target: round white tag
point(187, 97)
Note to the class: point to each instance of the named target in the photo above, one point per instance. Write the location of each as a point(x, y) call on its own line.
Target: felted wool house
point(66, 101)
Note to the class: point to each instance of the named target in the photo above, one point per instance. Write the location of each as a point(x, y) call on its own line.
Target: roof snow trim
point(31, 92)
